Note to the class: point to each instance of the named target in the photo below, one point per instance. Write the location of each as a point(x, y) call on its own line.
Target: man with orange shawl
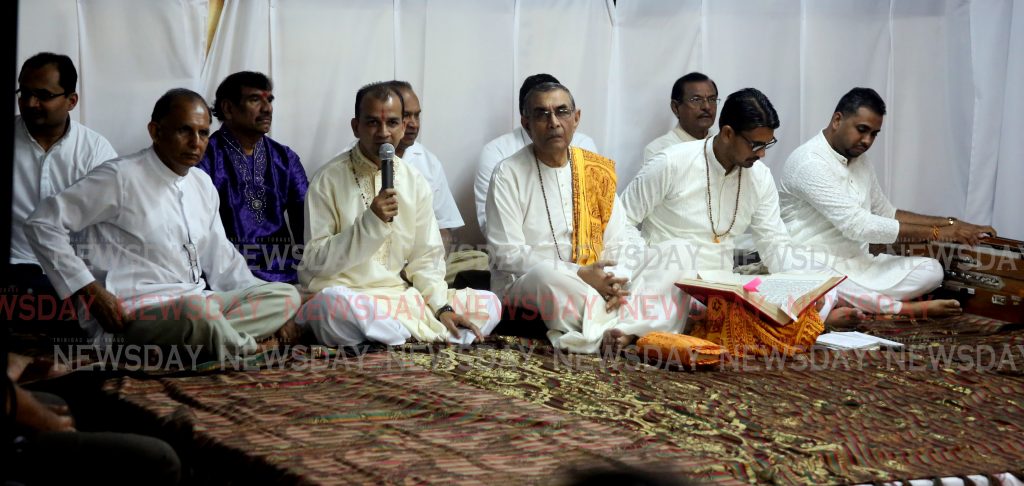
point(553, 221)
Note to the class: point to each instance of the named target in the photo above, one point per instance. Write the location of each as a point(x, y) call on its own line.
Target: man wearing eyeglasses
point(831, 201)
point(152, 231)
point(51, 152)
point(260, 181)
point(554, 225)
point(694, 103)
point(694, 198)
point(508, 144)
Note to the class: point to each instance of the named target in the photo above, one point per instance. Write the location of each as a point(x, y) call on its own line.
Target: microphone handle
point(387, 174)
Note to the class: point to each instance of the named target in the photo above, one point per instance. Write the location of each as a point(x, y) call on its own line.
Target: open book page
point(785, 290)
point(854, 340)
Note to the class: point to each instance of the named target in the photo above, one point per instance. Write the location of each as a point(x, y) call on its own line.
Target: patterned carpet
point(513, 410)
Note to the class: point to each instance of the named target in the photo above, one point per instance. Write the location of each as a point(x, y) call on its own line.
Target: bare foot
point(844, 316)
point(932, 308)
point(289, 334)
point(615, 339)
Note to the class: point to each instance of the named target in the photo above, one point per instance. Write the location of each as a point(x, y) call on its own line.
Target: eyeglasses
point(193, 261)
point(758, 146)
point(697, 101)
point(39, 94)
point(540, 114)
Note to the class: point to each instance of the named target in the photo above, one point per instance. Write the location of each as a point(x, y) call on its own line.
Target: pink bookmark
point(751, 286)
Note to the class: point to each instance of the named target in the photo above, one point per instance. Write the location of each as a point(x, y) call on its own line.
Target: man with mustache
point(693, 199)
point(831, 201)
point(153, 240)
point(694, 103)
point(374, 256)
point(260, 181)
point(507, 145)
point(554, 224)
point(51, 152)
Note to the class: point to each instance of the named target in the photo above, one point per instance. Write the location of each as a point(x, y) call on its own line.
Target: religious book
point(854, 340)
point(778, 298)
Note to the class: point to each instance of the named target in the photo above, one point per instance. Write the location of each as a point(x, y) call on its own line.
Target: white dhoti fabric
point(340, 316)
point(925, 275)
point(572, 310)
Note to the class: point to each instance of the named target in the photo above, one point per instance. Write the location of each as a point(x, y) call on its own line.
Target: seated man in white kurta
point(693, 199)
point(553, 221)
point(152, 229)
point(507, 145)
point(831, 200)
point(359, 239)
point(694, 103)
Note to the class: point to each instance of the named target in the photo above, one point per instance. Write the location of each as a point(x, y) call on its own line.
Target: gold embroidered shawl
point(594, 184)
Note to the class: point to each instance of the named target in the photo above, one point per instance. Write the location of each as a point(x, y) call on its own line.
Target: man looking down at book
point(692, 199)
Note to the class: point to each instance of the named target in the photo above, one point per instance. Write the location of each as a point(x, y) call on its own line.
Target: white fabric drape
point(949, 71)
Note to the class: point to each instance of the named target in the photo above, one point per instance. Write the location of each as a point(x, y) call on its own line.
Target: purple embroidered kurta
point(256, 192)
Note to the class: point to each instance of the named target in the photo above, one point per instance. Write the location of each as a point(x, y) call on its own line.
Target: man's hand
point(385, 205)
point(454, 321)
point(965, 233)
point(103, 306)
point(611, 288)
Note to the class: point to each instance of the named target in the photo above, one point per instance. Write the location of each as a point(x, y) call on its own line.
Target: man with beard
point(51, 152)
point(694, 199)
point(260, 181)
point(694, 103)
point(831, 201)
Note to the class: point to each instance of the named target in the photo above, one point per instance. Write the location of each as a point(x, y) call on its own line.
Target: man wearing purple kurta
point(260, 181)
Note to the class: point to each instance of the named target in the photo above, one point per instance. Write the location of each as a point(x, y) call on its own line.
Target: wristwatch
point(442, 310)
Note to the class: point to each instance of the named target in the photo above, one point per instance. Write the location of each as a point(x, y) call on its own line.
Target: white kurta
point(837, 208)
point(351, 252)
point(674, 136)
point(138, 216)
point(527, 271)
point(669, 197)
point(500, 149)
point(39, 174)
point(445, 209)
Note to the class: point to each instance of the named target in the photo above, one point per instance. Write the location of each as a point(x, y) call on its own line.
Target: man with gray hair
point(554, 221)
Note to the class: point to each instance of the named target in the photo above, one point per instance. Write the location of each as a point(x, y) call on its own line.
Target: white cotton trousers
point(340, 316)
point(925, 277)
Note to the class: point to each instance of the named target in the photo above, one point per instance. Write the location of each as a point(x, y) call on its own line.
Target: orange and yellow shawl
point(594, 184)
point(741, 331)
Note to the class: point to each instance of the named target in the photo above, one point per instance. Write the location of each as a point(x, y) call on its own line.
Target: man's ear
point(355, 127)
point(72, 101)
point(526, 125)
point(674, 105)
point(837, 119)
point(152, 127)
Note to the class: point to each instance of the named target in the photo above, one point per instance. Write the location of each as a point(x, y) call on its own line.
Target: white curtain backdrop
point(949, 70)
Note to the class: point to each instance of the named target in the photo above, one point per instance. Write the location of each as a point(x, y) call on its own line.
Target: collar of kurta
point(69, 125)
point(683, 134)
point(714, 165)
point(363, 165)
point(821, 140)
point(161, 170)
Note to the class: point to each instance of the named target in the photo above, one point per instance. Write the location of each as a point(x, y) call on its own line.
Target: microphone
point(387, 166)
